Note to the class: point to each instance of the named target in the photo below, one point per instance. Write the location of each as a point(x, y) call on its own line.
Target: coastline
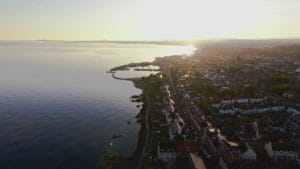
point(137, 159)
point(140, 117)
point(113, 74)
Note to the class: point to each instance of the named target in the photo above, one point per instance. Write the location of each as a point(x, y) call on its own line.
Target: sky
point(148, 19)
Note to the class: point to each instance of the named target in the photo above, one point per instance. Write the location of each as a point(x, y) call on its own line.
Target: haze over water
point(58, 106)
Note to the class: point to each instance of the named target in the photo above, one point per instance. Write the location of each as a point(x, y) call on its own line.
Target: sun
point(190, 19)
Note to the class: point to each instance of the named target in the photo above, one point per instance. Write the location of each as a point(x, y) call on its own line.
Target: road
point(180, 101)
point(147, 130)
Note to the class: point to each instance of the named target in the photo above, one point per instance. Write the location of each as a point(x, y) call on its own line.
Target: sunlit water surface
point(58, 106)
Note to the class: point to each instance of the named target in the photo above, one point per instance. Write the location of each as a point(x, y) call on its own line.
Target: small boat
point(115, 136)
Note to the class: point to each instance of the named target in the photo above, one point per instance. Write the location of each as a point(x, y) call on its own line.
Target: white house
point(242, 100)
point(216, 105)
point(293, 110)
point(280, 154)
point(197, 162)
point(255, 128)
point(263, 110)
point(227, 111)
point(269, 150)
point(247, 152)
point(167, 152)
point(249, 155)
point(222, 163)
point(256, 100)
point(227, 102)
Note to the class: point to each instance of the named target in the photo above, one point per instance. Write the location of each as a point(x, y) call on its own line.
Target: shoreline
point(134, 79)
point(142, 134)
point(141, 118)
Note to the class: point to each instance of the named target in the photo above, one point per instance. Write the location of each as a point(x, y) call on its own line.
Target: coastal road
point(183, 104)
point(180, 100)
point(147, 130)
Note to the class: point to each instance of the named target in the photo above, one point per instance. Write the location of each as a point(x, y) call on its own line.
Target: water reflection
point(58, 106)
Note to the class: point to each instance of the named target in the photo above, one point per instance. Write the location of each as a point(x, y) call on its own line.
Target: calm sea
point(58, 106)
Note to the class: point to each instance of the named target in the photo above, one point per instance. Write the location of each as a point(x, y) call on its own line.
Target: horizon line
point(161, 40)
